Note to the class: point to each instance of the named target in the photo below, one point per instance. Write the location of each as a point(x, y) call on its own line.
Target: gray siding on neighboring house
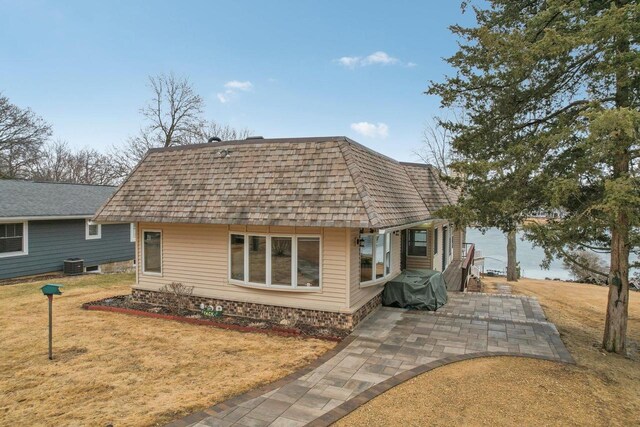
point(51, 242)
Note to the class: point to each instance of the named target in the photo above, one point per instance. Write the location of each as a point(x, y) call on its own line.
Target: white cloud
point(376, 58)
point(349, 61)
point(371, 130)
point(379, 58)
point(238, 85)
point(232, 87)
point(223, 97)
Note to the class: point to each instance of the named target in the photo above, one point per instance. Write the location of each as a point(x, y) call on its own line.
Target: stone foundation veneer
point(317, 318)
point(117, 267)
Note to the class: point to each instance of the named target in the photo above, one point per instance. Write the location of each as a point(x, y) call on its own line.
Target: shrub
point(177, 295)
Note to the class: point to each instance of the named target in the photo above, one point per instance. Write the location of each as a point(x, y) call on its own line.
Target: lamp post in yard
point(50, 290)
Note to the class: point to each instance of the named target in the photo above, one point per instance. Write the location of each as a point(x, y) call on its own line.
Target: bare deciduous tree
point(174, 116)
point(22, 133)
point(211, 128)
point(56, 162)
point(586, 267)
point(436, 148)
point(175, 111)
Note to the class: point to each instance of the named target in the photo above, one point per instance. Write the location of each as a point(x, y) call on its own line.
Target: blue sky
point(282, 68)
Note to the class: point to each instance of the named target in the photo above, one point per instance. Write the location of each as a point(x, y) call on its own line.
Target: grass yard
point(603, 389)
point(125, 370)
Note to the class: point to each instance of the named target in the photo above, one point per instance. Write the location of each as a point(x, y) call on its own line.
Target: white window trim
point(386, 277)
point(132, 232)
point(294, 263)
point(151, 273)
point(86, 230)
point(25, 240)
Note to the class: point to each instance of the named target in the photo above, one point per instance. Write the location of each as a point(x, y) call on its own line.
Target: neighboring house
point(310, 228)
point(42, 224)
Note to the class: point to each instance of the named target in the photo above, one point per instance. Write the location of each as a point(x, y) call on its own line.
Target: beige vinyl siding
point(197, 255)
point(361, 295)
point(458, 239)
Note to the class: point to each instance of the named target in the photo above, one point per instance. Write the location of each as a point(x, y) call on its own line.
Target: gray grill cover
point(416, 289)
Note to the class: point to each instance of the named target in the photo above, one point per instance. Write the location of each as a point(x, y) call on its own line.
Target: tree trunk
point(512, 274)
point(615, 327)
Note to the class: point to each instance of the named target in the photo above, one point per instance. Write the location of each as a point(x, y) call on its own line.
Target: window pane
point(366, 257)
point(93, 229)
point(152, 252)
point(258, 259)
point(10, 244)
point(387, 254)
point(11, 237)
point(237, 257)
point(308, 261)
point(435, 241)
point(281, 261)
point(417, 242)
point(379, 255)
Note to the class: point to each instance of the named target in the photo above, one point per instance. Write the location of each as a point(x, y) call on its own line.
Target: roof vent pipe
point(214, 139)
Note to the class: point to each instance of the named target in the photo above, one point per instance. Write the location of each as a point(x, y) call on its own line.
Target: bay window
point(375, 256)
point(277, 261)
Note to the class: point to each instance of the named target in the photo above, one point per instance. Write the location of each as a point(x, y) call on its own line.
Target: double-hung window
point(13, 239)
point(277, 261)
point(375, 257)
point(417, 243)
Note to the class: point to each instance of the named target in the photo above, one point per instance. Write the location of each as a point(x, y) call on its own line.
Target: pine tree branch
point(561, 111)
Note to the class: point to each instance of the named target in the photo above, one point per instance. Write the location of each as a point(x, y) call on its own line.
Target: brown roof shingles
point(433, 190)
point(332, 182)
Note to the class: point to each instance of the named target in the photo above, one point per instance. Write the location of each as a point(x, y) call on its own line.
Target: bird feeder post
point(50, 298)
point(50, 290)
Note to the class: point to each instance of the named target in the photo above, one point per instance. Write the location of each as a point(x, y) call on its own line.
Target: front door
point(445, 253)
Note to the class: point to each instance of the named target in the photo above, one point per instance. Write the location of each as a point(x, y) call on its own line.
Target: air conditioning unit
point(73, 266)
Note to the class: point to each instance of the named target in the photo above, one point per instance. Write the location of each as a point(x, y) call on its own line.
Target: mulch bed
point(125, 304)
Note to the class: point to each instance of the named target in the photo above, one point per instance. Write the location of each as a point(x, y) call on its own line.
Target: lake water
point(493, 247)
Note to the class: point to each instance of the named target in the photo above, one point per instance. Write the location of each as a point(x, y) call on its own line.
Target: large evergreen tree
point(551, 95)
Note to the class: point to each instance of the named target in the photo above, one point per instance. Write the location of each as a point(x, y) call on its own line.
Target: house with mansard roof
point(272, 228)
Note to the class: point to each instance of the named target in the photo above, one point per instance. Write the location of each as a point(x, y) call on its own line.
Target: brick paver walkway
point(389, 347)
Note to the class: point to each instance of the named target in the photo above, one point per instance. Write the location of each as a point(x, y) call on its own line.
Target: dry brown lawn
point(602, 389)
point(124, 370)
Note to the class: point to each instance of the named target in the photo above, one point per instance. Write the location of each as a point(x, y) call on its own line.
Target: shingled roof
point(327, 181)
point(28, 199)
point(433, 190)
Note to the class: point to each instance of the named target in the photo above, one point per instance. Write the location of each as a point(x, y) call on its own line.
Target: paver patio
point(392, 346)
